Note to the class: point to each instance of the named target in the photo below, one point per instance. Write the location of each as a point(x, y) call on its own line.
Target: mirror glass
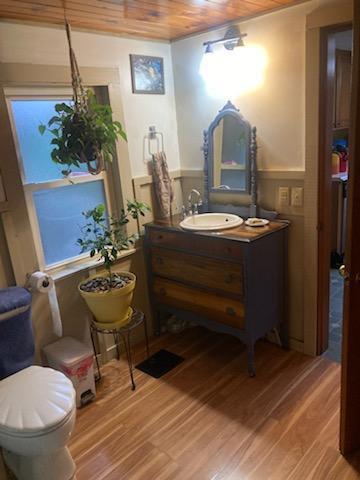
point(231, 154)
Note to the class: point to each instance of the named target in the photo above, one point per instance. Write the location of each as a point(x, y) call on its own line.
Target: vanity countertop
point(242, 233)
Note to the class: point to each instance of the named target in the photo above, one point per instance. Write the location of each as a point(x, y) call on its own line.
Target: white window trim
point(50, 93)
point(86, 264)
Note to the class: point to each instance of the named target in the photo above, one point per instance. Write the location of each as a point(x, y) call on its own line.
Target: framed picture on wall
point(147, 74)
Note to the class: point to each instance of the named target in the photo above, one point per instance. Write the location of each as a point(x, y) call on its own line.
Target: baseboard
point(296, 345)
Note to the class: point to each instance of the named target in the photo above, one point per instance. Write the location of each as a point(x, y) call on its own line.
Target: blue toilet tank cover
point(14, 297)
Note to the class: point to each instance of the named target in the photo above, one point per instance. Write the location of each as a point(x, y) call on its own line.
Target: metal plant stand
point(124, 333)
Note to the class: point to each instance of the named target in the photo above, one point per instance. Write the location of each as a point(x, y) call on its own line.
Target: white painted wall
point(277, 108)
point(47, 46)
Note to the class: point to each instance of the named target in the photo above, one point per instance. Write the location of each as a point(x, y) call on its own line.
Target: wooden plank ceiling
point(157, 19)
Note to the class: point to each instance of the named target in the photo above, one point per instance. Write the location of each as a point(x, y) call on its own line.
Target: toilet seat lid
point(35, 399)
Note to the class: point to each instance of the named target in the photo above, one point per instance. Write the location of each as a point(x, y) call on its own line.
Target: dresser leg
point(250, 359)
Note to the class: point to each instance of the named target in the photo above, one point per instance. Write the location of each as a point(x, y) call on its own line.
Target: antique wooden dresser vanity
point(232, 280)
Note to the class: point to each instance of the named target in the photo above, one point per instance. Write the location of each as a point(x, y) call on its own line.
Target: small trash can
point(75, 360)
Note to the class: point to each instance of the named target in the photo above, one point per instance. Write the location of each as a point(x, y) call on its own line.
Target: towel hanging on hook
point(162, 182)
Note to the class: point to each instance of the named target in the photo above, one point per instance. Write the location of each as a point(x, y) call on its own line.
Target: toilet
point(37, 404)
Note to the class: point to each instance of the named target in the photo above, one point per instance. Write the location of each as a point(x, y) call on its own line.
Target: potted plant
point(109, 297)
point(83, 133)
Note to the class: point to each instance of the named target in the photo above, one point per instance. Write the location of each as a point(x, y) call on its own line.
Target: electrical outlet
point(297, 194)
point(284, 196)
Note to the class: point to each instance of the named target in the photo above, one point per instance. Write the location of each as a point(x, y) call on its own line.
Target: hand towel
point(162, 183)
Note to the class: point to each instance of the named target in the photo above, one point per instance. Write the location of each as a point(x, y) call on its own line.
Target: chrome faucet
point(194, 206)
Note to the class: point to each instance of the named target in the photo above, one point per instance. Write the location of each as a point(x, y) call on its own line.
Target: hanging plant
point(83, 132)
point(86, 136)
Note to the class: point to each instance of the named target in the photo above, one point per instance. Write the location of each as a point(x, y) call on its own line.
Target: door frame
point(326, 103)
point(16, 220)
point(334, 15)
point(350, 371)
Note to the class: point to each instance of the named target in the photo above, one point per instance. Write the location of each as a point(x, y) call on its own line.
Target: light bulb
point(206, 65)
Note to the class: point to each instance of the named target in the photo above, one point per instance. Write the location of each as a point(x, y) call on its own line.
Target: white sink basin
point(211, 221)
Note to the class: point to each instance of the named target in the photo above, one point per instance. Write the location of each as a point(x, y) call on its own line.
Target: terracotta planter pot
point(113, 305)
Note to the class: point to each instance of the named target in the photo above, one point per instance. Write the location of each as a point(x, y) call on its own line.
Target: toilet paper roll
point(42, 283)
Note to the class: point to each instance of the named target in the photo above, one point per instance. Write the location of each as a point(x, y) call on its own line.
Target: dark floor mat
point(160, 363)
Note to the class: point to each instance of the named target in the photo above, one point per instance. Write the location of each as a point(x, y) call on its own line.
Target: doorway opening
point(335, 106)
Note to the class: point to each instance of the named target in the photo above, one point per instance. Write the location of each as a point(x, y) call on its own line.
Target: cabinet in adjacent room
point(342, 89)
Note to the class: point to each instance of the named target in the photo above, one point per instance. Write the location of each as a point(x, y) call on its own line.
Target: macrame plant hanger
point(81, 103)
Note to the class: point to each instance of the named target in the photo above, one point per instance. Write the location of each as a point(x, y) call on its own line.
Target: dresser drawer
point(192, 242)
point(213, 306)
point(195, 269)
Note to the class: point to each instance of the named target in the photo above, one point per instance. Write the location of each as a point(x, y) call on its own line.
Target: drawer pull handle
point(159, 260)
point(229, 278)
point(160, 237)
point(230, 311)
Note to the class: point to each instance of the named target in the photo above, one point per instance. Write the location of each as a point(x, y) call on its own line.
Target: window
point(55, 205)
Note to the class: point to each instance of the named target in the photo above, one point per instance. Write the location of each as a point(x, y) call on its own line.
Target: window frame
point(50, 93)
point(15, 219)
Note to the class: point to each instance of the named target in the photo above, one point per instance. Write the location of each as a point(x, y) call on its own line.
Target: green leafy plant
point(85, 135)
point(107, 236)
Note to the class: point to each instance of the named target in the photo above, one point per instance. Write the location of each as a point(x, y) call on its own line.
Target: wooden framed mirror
point(229, 152)
point(230, 168)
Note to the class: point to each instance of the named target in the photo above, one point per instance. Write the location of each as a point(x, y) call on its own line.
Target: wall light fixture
point(230, 68)
point(232, 38)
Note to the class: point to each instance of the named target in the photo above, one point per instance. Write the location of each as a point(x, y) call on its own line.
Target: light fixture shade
point(240, 43)
point(233, 38)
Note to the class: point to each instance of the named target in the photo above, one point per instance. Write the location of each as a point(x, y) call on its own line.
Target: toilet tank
point(16, 334)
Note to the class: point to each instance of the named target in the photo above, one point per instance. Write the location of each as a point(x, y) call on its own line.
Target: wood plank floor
point(207, 420)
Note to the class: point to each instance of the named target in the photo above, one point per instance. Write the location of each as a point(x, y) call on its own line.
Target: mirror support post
point(253, 179)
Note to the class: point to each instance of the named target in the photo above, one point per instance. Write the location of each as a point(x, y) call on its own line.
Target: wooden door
point(350, 378)
point(342, 89)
